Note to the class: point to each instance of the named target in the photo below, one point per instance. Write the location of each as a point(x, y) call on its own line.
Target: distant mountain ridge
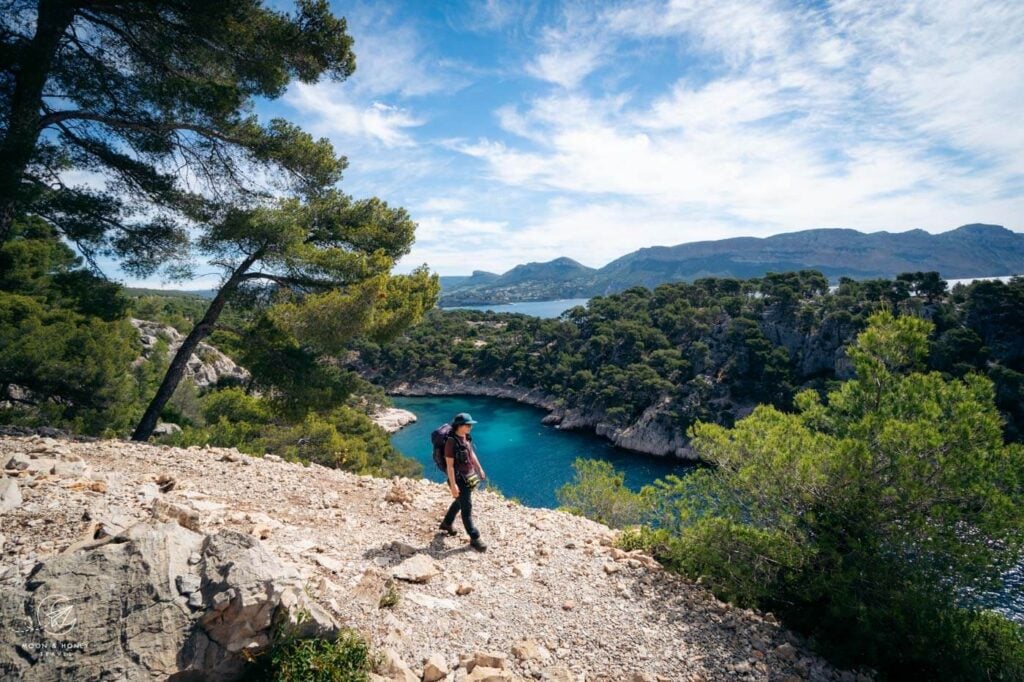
point(975, 250)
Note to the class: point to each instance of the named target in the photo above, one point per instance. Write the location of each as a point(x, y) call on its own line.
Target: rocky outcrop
point(154, 601)
point(152, 562)
point(207, 366)
point(393, 419)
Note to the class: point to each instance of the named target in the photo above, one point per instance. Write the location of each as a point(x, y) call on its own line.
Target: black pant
point(464, 503)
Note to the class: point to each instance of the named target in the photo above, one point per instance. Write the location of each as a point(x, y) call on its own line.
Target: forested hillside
point(713, 349)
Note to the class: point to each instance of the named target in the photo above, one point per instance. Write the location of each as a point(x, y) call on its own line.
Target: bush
point(234, 405)
point(291, 659)
point(600, 493)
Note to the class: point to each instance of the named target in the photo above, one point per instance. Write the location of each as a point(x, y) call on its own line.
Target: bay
point(523, 458)
point(535, 308)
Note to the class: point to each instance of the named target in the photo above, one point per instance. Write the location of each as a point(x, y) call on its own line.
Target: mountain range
point(975, 250)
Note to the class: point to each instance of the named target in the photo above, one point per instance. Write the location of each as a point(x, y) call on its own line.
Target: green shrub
point(292, 659)
point(390, 597)
point(234, 405)
point(600, 493)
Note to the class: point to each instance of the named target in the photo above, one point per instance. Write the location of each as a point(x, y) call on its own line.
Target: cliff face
point(129, 561)
point(206, 367)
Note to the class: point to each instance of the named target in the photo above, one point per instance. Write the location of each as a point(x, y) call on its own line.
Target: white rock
point(146, 493)
point(392, 667)
point(329, 562)
point(522, 569)
point(10, 495)
point(417, 569)
point(431, 602)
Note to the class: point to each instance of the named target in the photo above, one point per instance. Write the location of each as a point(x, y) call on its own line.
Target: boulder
point(146, 611)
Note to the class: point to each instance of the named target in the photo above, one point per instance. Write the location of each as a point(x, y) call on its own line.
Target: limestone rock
point(558, 673)
point(146, 493)
point(393, 668)
point(435, 668)
point(392, 419)
point(485, 674)
point(431, 602)
point(207, 366)
point(786, 651)
point(522, 569)
point(168, 511)
point(488, 660)
point(530, 650)
point(10, 495)
point(398, 494)
point(165, 429)
point(192, 618)
point(417, 569)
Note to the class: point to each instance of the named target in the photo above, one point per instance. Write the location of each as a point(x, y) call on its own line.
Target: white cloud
point(866, 115)
point(331, 112)
point(443, 205)
point(565, 67)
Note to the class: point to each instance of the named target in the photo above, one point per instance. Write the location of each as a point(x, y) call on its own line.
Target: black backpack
point(438, 437)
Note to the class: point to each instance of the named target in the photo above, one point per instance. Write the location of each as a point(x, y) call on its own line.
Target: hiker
point(460, 461)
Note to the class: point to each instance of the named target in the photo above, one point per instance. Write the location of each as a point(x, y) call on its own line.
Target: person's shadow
point(436, 549)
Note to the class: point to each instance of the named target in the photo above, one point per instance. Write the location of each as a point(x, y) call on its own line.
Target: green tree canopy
point(327, 261)
point(869, 518)
point(156, 97)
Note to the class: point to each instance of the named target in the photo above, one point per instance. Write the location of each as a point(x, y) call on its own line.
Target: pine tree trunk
point(200, 331)
point(30, 74)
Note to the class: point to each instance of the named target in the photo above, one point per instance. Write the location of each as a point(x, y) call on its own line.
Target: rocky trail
point(170, 563)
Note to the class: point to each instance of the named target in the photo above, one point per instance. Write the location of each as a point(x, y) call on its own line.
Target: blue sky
point(524, 131)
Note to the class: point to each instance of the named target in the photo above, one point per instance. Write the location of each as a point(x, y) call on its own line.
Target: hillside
point(173, 561)
point(559, 278)
point(968, 251)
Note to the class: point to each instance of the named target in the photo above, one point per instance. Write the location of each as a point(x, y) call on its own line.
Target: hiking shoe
point(478, 544)
point(444, 527)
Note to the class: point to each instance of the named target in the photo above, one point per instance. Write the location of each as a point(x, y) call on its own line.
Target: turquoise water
point(535, 308)
point(523, 458)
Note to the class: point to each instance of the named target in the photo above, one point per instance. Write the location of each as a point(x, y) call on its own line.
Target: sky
point(524, 131)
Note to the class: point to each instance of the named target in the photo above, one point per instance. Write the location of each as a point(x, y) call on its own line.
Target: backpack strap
point(461, 452)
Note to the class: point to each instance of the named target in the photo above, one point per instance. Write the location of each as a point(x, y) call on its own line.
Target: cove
point(549, 309)
point(523, 458)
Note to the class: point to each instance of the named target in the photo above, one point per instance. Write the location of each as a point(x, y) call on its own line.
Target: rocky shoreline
point(648, 435)
point(393, 419)
point(144, 562)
